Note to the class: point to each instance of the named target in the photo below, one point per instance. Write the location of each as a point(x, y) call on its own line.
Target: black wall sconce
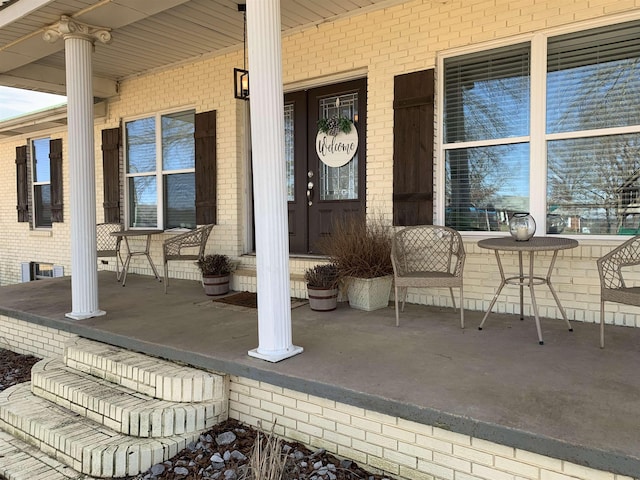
point(241, 75)
point(241, 83)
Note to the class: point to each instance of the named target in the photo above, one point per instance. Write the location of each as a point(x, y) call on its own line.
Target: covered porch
point(567, 400)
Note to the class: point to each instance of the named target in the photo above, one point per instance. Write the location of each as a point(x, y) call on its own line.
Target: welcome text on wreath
point(338, 149)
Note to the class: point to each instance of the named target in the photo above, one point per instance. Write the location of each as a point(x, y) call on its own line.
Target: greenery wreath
point(335, 124)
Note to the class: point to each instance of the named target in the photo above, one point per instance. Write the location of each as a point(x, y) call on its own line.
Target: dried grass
point(267, 461)
point(359, 248)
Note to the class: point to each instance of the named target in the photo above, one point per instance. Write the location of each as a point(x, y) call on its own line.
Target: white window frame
point(537, 137)
point(159, 172)
point(34, 183)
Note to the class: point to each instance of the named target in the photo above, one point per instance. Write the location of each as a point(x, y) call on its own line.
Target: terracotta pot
point(322, 299)
point(215, 284)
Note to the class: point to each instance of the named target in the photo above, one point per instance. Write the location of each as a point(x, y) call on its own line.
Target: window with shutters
point(160, 171)
point(39, 182)
point(549, 126)
point(41, 174)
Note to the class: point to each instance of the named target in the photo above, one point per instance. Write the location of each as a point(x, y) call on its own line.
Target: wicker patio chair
point(613, 287)
point(427, 256)
point(185, 246)
point(109, 245)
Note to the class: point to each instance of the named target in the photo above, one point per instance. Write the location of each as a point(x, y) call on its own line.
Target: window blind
point(593, 79)
point(487, 95)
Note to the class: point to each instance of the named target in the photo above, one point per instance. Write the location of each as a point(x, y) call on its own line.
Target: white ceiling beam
point(30, 48)
point(20, 10)
point(43, 120)
point(53, 80)
point(119, 13)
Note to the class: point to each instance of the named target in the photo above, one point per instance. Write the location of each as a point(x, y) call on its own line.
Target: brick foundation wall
point(31, 339)
point(398, 447)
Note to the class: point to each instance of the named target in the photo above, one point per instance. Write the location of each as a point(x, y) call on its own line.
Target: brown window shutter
point(206, 177)
point(22, 184)
point(413, 148)
point(111, 174)
point(55, 162)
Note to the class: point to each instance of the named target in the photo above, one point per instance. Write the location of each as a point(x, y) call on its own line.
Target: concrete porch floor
point(567, 399)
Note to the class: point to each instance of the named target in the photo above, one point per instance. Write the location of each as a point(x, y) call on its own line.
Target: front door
point(319, 190)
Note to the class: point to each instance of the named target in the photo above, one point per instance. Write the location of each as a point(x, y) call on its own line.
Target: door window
point(289, 150)
point(339, 183)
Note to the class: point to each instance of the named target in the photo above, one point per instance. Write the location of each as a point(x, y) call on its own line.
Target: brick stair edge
point(150, 383)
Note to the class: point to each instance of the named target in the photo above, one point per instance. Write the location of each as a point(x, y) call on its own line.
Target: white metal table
point(533, 245)
point(126, 234)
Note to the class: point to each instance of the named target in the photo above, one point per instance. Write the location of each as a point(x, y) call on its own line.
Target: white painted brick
point(548, 475)
point(398, 433)
point(439, 471)
point(475, 456)
point(433, 443)
point(286, 401)
point(516, 467)
point(384, 464)
point(381, 440)
point(490, 473)
point(296, 414)
point(415, 451)
point(336, 438)
point(366, 424)
point(585, 472)
point(494, 448)
point(400, 458)
point(308, 407)
point(353, 454)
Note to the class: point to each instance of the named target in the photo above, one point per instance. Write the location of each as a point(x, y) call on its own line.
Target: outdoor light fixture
point(241, 83)
point(241, 75)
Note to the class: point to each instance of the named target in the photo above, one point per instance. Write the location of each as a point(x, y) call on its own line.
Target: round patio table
point(126, 234)
point(533, 245)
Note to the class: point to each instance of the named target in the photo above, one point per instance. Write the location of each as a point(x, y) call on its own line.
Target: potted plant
point(361, 251)
point(322, 287)
point(216, 270)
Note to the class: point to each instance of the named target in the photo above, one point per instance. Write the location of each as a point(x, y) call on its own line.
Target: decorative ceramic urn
point(522, 226)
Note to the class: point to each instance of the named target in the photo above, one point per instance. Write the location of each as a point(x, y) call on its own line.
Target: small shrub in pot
point(322, 287)
point(322, 276)
point(215, 264)
point(216, 269)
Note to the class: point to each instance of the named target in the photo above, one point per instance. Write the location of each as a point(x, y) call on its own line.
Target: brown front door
point(319, 193)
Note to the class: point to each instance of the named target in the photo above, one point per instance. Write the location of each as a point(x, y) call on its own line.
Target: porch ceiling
point(146, 35)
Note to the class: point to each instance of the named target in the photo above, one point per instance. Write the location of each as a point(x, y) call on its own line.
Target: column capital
point(67, 27)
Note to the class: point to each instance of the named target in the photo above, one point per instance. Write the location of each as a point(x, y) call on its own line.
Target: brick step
point(120, 408)
point(79, 442)
point(21, 461)
point(141, 373)
point(244, 279)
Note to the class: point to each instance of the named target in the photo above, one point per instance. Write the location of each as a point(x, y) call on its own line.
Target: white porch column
point(269, 181)
point(78, 45)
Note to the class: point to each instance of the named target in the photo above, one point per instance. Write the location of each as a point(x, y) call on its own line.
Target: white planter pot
point(369, 293)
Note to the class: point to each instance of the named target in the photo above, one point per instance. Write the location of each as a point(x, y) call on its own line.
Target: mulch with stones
point(222, 453)
point(15, 368)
